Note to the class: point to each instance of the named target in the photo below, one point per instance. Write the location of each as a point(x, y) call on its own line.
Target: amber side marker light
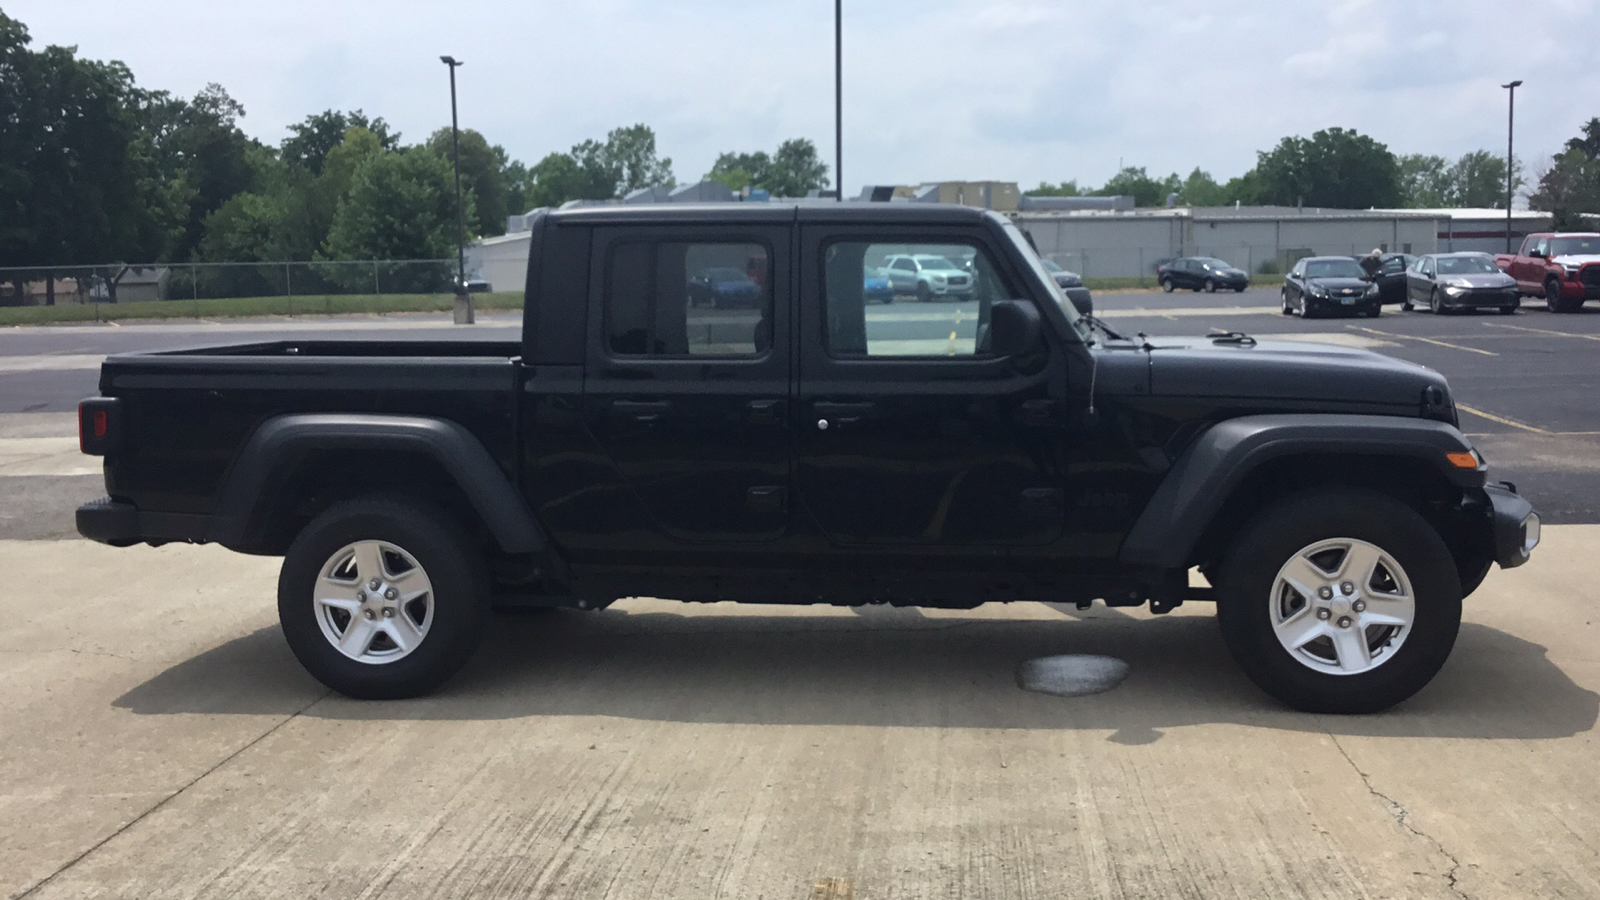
point(1463, 460)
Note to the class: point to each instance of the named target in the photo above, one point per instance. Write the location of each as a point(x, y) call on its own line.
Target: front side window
point(681, 299)
point(958, 281)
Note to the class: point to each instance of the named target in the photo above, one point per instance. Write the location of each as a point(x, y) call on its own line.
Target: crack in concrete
point(69, 864)
point(1402, 816)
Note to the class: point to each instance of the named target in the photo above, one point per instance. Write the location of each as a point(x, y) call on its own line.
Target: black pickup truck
point(649, 436)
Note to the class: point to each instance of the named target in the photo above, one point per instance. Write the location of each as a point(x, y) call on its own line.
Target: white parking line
point(1587, 337)
point(1411, 337)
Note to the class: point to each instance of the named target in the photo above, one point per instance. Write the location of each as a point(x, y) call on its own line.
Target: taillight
point(99, 425)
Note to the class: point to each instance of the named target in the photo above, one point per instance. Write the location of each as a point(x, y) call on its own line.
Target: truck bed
point(187, 413)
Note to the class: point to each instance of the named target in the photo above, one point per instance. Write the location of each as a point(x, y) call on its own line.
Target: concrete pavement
point(157, 739)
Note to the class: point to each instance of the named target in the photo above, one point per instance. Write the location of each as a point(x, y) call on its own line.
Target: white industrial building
point(1119, 242)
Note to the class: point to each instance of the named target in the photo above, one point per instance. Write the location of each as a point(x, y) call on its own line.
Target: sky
point(1009, 90)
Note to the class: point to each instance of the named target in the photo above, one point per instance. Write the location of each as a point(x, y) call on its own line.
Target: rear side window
point(681, 299)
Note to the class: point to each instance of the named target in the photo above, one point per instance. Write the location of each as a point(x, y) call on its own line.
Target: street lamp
point(1511, 118)
point(463, 306)
point(838, 98)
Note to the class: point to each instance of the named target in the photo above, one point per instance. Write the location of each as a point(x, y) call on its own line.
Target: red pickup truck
point(1563, 268)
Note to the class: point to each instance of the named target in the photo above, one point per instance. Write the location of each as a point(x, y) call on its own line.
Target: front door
point(908, 431)
point(687, 384)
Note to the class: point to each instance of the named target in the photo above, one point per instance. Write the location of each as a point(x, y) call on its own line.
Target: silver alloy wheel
point(374, 602)
point(1342, 606)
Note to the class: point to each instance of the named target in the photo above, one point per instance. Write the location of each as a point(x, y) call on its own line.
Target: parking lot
point(158, 739)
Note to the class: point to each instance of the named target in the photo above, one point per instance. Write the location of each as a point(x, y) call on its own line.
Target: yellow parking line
point(1587, 337)
point(1407, 337)
point(1501, 419)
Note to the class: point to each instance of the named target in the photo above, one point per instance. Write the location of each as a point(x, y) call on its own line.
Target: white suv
point(927, 275)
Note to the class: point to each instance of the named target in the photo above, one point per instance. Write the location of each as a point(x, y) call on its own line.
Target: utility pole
point(1511, 119)
point(463, 306)
point(838, 99)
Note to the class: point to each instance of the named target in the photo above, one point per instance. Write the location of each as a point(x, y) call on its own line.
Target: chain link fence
point(220, 289)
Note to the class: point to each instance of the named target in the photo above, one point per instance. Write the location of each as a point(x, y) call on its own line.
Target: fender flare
point(1217, 462)
point(263, 467)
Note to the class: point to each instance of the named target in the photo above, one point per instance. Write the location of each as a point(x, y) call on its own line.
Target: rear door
point(686, 387)
point(909, 433)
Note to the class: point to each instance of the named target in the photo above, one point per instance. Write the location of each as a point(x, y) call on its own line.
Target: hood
point(1577, 260)
point(1340, 285)
point(1288, 371)
point(1479, 280)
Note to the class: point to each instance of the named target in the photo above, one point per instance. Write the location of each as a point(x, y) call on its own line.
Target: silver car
point(928, 276)
point(1446, 282)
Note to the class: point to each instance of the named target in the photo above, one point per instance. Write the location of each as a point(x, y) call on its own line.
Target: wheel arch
point(1238, 466)
point(295, 465)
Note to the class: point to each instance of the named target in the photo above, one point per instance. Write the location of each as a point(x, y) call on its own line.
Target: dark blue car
point(724, 287)
point(876, 286)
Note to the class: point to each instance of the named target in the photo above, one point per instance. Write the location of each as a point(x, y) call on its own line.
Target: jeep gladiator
point(806, 447)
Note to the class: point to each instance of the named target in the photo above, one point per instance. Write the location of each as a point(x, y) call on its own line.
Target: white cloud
point(1023, 90)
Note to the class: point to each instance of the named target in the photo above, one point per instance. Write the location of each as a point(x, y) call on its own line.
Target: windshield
point(1332, 268)
point(1466, 265)
point(1575, 246)
point(934, 262)
point(1020, 241)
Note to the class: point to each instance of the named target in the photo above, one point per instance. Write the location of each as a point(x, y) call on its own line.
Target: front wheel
point(382, 598)
point(1210, 286)
point(1339, 601)
point(923, 293)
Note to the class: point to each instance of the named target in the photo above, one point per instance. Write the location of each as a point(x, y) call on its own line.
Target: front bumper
point(1514, 524)
point(1511, 298)
point(1337, 304)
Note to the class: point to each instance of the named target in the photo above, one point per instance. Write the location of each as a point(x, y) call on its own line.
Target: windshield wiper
point(1232, 337)
point(1095, 322)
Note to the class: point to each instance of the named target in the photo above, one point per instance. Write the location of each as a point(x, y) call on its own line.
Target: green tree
point(310, 141)
point(519, 188)
point(78, 181)
point(1588, 140)
point(794, 170)
point(1200, 189)
point(1064, 189)
point(1134, 182)
point(1243, 189)
point(483, 168)
point(202, 154)
point(1425, 181)
point(401, 205)
point(1569, 188)
point(1335, 167)
point(1478, 179)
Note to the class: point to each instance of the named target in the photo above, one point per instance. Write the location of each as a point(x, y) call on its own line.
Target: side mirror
point(1014, 328)
point(1536, 253)
point(1084, 305)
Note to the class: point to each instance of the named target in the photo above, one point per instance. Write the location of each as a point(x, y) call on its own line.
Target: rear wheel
point(1339, 601)
point(1166, 285)
point(382, 598)
point(1210, 286)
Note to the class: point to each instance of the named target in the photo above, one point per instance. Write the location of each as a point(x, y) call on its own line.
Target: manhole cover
point(1071, 675)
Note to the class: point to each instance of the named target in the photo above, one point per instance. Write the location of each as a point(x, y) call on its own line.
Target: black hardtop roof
point(717, 213)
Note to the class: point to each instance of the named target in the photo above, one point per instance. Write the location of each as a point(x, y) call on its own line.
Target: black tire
point(1435, 305)
point(1306, 312)
point(1210, 286)
point(923, 293)
point(455, 569)
point(1406, 306)
point(1239, 289)
point(1374, 312)
point(1553, 299)
point(1277, 534)
point(1508, 310)
point(1287, 309)
point(1166, 285)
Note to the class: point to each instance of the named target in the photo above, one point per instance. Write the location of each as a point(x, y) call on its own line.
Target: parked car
point(1320, 285)
point(1201, 273)
point(1391, 277)
point(1071, 285)
point(1445, 282)
point(928, 276)
point(1563, 268)
point(724, 287)
point(875, 286)
point(1326, 493)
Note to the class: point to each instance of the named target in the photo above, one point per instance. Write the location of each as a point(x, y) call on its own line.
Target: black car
point(1319, 285)
point(1391, 277)
point(1201, 273)
point(1071, 285)
point(625, 444)
point(1445, 282)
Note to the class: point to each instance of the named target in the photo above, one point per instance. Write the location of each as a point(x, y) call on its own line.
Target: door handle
point(642, 410)
point(765, 412)
point(832, 413)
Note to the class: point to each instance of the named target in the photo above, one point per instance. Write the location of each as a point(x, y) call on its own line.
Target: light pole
point(463, 306)
point(838, 99)
point(1511, 118)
